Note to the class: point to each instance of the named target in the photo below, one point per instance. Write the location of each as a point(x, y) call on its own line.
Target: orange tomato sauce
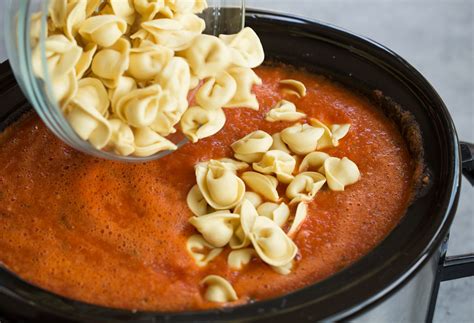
point(114, 234)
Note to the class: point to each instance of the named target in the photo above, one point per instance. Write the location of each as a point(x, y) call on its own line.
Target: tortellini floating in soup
point(264, 185)
point(246, 78)
point(219, 185)
point(313, 161)
point(294, 87)
point(201, 251)
point(278, 144)
point(196, 202)
point(252, 147)
point(147, 61)
point(305, 186)
point(278, 162)
point(122, 140)
point(109, 64)
point(216, 91)
point(301, 138)
point(285, 269)
point(198, 123)
point(139, 107)
point(248, 214)
point(218, 289)
point(237, 259)
point(253, 198)
point(330, 139)
point(279, 213)
point(103, 30)
point(284, 111)
point(271, 243)
point(148, 142)
point(246, 48)
point(340, 173)
point(217, 228)
point(300, 217)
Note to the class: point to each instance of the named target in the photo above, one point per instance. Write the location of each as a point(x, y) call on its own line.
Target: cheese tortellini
point(148, 142)
point(139, 107)
point(149, 55)
point(313, 161)
point(265, 185)
point(103, 30)
point(246, 48)
point(300, 217)
point(216, 91)
point(284, 111)
point(278, 162)
point(109, 64)
point(237, 259)
point(330, 138)
point(305, 186)
point(258, 222)
point(148, 60)
point(217, 228)
point(248, 214)
point(218, 289)
point(201, 251)
point(301, 138)
point(246, 78)
point(271, 243)
point(198, 123)
point(340, 173)
point(196, 202)
point(220, 186)
point(279, 213)
point(294, 87)
point(252, 147)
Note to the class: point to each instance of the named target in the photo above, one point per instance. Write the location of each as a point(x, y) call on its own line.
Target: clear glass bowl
point(222, 16)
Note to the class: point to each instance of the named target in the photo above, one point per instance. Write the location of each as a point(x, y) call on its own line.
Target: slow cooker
point(400, 278)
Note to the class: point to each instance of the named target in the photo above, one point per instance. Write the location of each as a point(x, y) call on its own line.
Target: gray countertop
point(437, 37)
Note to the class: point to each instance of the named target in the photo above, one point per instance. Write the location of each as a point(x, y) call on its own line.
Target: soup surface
point(114, 234)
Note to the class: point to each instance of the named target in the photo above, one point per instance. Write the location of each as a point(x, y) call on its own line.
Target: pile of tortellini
point(122, 70)
point(236, 202)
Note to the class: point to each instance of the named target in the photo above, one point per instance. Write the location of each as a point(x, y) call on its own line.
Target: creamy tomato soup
point(114, 234)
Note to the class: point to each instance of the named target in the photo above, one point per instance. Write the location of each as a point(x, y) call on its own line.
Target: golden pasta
point(301, 138)
point(264, 185)
point(284, 111)
point(340, 173)
point(201, 251)
point(217, 228)
point(279, 213)
point(304, 186)
point(218, 289)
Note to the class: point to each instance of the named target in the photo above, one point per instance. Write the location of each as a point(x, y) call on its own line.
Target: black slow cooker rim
point(335, 297)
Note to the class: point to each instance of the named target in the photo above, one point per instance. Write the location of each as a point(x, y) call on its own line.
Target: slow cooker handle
point(460, 266)
point(467, 156)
